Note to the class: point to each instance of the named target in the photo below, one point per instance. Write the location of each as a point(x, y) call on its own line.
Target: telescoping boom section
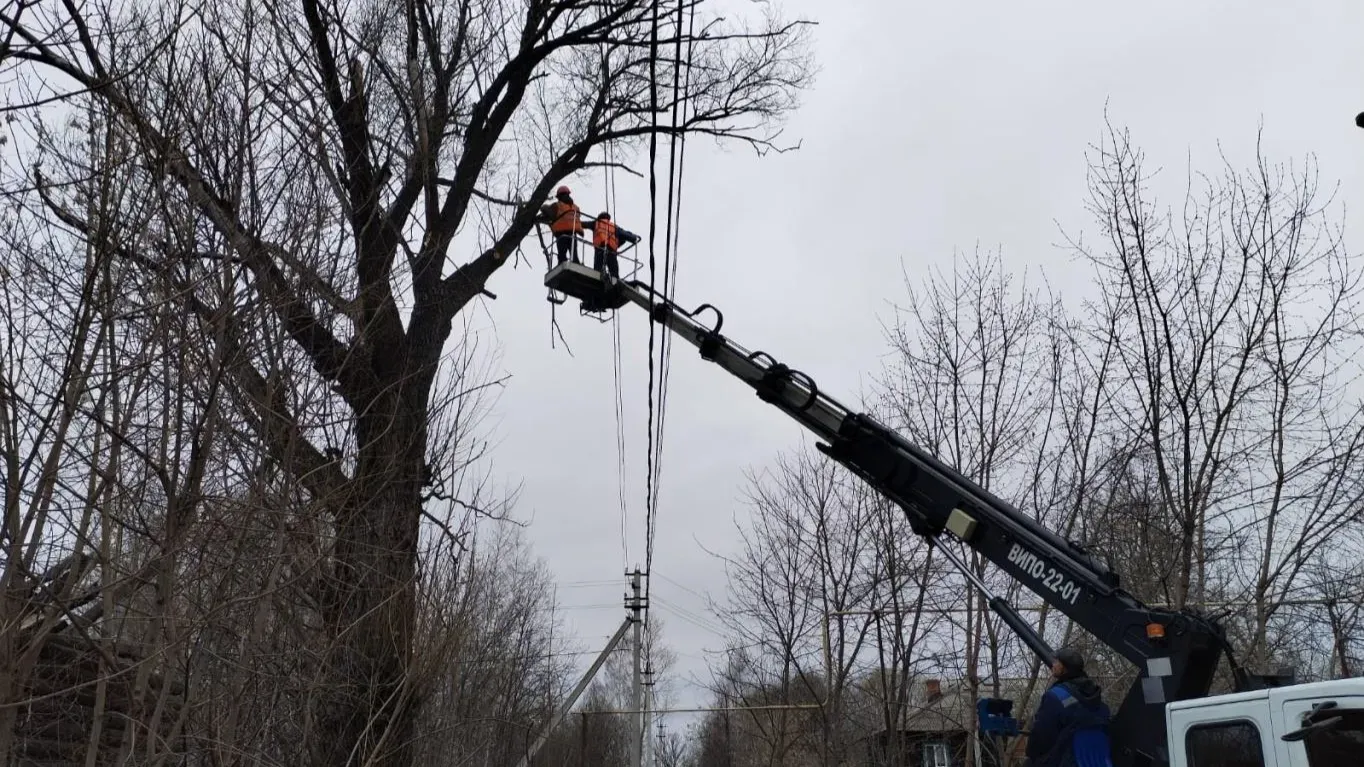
point(1175, 653)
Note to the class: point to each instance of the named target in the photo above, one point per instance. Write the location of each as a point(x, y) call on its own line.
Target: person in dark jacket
point(1070, 728)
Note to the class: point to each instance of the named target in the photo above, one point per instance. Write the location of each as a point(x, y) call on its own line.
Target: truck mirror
point(1315, 721)
point(1302, 732)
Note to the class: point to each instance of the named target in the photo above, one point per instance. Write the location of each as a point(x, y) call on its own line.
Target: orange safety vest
point(604, 234)
point(567, 219)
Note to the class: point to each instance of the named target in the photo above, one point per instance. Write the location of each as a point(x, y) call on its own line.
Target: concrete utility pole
point(572, 698)
point(635, 604)
point(649, 751)
point(659, 749)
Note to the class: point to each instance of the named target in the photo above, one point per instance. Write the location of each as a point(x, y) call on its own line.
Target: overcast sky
point(932, 128)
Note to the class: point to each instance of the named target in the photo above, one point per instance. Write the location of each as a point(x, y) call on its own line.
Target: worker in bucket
point(606, 239)
point(1071, 725)
point(565, 223)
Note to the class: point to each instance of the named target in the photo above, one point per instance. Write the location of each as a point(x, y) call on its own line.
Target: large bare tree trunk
point(373, 592)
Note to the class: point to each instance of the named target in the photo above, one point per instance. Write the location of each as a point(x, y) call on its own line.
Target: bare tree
point(713, 741)
point(761, 718)
point(304, 170)
point(170, 553)
point(976, 380)
point(1344, 607)
point(910, 610)
point(113, 435)
point(798, 596)
point(602, 733)
point(672, 750)
point(495, 671)
point(833, 600)
point(1234, 340)
point(1189, 419)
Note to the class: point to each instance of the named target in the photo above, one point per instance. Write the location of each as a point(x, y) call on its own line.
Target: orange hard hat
point(564, 190)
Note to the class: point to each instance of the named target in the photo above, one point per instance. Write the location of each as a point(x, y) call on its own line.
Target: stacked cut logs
point(56, 723)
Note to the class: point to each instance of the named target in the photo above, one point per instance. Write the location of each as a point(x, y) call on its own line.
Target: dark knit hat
point(1071, 659)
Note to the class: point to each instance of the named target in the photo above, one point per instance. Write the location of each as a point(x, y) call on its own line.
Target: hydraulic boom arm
point(1176, 653)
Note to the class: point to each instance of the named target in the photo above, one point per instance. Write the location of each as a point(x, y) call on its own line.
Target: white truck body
point(1246, 729)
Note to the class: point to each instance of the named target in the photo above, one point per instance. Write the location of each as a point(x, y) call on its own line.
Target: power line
point(654, 447)
point(649, 455)
point(670, 239)
point(677, 155)
point(690, 617)
point(520, 658)
point(685, 588)
point(617, 369)
point(653, 228)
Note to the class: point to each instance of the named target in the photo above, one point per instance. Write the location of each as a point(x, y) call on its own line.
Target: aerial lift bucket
point(554, 296)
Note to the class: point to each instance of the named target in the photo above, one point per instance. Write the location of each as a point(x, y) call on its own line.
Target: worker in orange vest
point(565, 223)
point(606, 238)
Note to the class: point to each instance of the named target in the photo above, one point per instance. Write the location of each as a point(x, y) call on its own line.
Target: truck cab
point(1323, 722)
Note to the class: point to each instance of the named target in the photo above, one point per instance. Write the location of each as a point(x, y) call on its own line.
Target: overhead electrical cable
point(671, 235)
point(672, 227)
point(658, 394)
point(674, 220)
point(653, 227)
point(609, 187)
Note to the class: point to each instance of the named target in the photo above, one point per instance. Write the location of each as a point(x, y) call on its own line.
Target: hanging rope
point(609, 191)
point(620, 442)
point(554, 329)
